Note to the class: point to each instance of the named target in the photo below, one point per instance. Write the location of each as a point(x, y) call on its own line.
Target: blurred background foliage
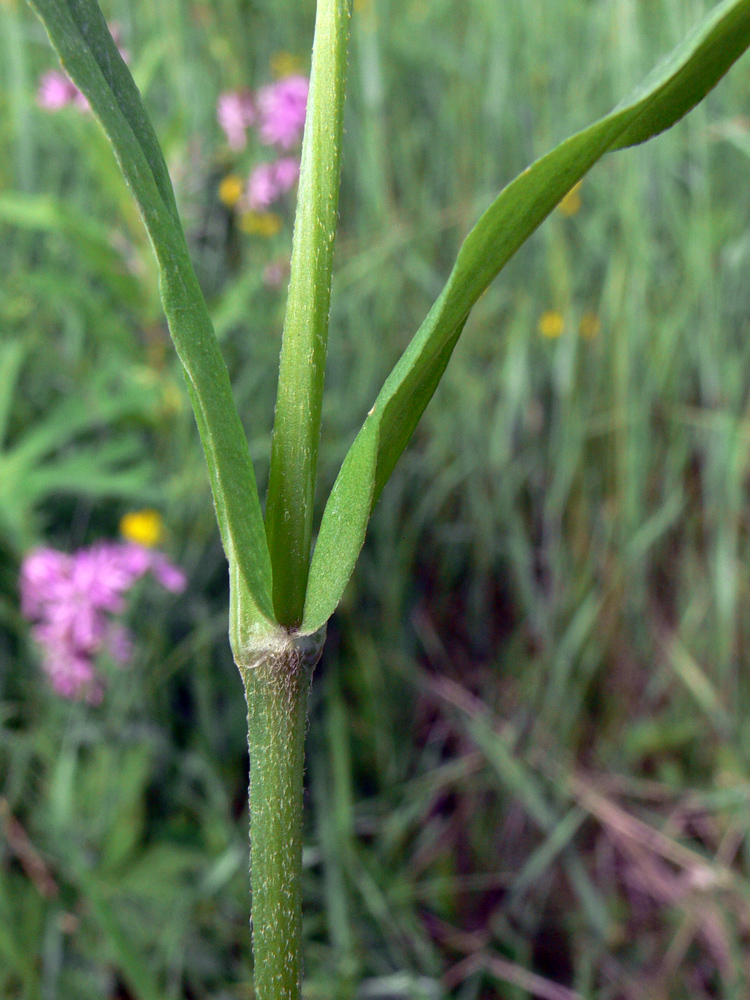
point(529, 747)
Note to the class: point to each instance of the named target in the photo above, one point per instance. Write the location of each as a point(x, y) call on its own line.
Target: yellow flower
point(230, 190)
point(551, 324)
point(144, 527)
point(260, 223)
point(571, 203)
point(285, 64)
point(589, 326)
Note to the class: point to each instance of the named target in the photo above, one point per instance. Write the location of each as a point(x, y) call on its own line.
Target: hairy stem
point(276, 688)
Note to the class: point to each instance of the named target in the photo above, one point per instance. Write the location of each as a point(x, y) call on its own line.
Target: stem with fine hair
point(276, 689)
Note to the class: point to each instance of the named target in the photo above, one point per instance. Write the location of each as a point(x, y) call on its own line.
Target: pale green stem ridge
point(276, 688)
point(296, 432)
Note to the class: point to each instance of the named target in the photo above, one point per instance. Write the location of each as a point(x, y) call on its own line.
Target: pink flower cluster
point(71, 599)
point(277, 110)
point(281, 111)
point(269, 181)
point(235, 113)
point(278, 114)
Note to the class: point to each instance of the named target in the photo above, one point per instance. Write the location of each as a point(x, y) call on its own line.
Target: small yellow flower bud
point(230, 190)
point(144, 527)
point(260, 223)
point(551, 324)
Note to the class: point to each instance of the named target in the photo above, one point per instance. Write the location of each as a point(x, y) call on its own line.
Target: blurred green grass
point(529, 748)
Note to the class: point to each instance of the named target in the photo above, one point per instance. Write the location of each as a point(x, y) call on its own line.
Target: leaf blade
point(299, 402)
point(674, 88)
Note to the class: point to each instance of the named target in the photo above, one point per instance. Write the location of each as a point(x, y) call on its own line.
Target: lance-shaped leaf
point(296, 429)
point(88, 53)
point(675, 87)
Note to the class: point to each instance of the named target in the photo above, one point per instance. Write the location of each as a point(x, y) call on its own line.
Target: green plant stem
point(276, 689)
point(296, 432)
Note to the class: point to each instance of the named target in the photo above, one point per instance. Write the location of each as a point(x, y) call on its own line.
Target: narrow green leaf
point(296, 430)
point(80, 35)
point(675, 87)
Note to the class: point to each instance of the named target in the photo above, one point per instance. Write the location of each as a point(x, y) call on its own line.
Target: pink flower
point(281, 111)
point(269, 181)
point(169, 576)
point(235, 113)
point(72, 674)
point(286, 173)
point(70, 598)
point(41, 573)
point(56, 91)
point(116, 32)
point(261, 187)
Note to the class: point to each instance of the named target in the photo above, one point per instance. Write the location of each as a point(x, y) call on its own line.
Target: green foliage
point(565, 539)
point(45, 213)
point(58, 456)
point(674, 88)
point(88, 51)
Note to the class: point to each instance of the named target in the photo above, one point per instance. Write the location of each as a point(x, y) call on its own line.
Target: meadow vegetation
point(529, 754)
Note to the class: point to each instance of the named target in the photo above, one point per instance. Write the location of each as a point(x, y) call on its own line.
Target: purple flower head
point(269, 181)
point(116, 32)
point(70, 597)
point(281, 111)
point(235, 113)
